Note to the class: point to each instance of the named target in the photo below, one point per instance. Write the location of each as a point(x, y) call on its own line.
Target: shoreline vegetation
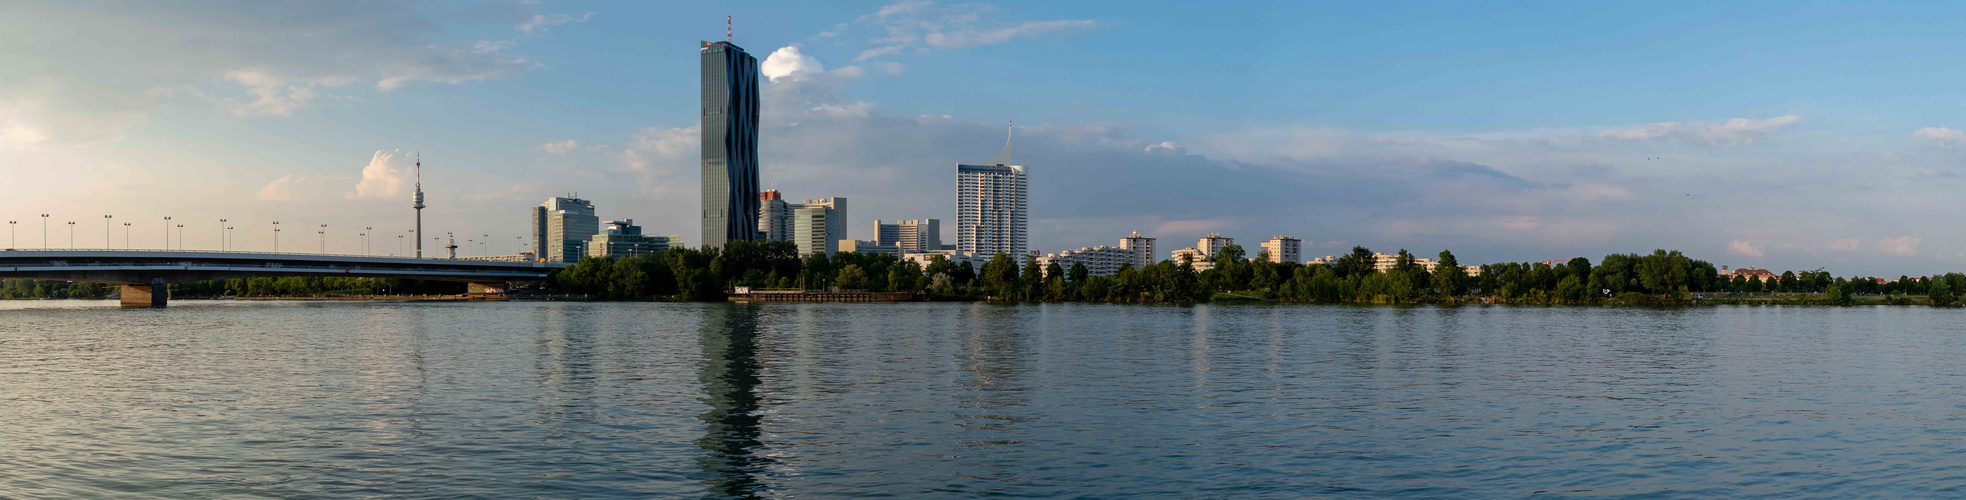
point(1661, 278)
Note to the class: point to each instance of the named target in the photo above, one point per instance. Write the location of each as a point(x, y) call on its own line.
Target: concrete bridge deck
point(144, 274)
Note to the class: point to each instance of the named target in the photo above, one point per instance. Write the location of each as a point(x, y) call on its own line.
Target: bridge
point(144, 274)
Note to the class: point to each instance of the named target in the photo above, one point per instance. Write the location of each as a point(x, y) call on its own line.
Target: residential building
point(1142, 247)
point(1101, 260)
point(1752, 273)
point(864, 246)
point(730, 144)
point(1283, 249)
point(622, 238)
point(1382, 262)
point(925, 258)
point(561, 228)
point(992, 207)
point(1205, 249)
point(910, 235)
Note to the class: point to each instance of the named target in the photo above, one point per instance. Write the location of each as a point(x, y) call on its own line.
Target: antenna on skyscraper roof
point(726, 29)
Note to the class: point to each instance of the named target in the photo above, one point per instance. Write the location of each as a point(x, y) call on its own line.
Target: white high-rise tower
point(419, 205)
point(991, 207)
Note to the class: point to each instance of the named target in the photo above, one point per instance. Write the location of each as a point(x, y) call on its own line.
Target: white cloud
point(974, 37)
point(1744, 248)
point(1733, 131)
point(1939, 136)
point(539, 22)
point(787, 60)
point(381, 178)
point(228, 56)
point(660, 158)
point(1294, 144)
point(1167, 147)
point(272, 95)
point(1902, 246)
point(924, 26)
point(562, 147)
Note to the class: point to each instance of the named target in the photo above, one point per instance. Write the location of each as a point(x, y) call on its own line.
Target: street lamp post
point(105, 232)
point(228, 237)
point(126, 236)
point(399, 246)
point(71, 235)
point(44, 231)
point(10, 233)
point(180, 236)
point(167, 232)
point(324, 238)
point(276, 236)
point(221, 236)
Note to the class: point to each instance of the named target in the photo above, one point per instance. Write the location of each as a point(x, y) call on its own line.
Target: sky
point(1782, 136)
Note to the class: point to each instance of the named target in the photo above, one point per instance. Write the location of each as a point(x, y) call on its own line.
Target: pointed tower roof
point(1004, 157)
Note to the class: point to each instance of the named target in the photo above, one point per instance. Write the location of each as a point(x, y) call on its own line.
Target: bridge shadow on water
point(733, 462)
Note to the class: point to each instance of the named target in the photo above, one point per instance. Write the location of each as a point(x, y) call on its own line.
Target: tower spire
point(1004, 157)
point(726, 29)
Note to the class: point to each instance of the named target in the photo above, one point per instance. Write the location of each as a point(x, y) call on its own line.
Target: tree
point(1000, 276)
point(852, 277)
point(1940, 293)
point(1448, 275)
point(1079, 272)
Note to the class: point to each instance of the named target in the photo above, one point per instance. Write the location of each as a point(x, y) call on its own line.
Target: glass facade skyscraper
point(730, 144)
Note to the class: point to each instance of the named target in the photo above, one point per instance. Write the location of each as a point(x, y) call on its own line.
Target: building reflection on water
point(733, 460)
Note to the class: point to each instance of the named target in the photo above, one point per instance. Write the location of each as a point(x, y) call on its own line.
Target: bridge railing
point(6, 251)
point(214, 265)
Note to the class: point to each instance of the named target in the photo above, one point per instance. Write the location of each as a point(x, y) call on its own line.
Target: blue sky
point(1749, 134)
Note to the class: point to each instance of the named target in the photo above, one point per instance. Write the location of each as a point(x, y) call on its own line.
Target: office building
point(775, 216)
point(1281, 249)
point(562, 227)
point(864, 246)
point(819, 225)
point(992, 207)
point(1142, 247)
point(730, 144)
point(1101, 260)
point(622, 238)
point(923, 235)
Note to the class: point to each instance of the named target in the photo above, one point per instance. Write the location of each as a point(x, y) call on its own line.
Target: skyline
point(1779, 144)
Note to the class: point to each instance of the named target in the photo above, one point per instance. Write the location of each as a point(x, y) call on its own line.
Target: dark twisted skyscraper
point(730, 144)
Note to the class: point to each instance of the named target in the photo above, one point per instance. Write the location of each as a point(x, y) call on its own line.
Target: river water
point(577, 400)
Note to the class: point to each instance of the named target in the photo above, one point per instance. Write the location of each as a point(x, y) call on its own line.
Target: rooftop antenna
point(726, 29)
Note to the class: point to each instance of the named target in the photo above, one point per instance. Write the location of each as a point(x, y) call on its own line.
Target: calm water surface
point(559, 400)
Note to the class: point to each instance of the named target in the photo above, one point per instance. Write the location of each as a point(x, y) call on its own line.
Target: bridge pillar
point(491, 289)
point(153, 295)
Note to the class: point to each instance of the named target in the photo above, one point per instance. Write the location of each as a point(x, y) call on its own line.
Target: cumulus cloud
point(1939, 136)
point(1901, 246)
point(787, 60)
point(1744, 248)
point(922, 26)
point(562, 147)
point(384, 177)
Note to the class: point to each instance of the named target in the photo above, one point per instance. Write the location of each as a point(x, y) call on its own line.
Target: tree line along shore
point(1660, 278)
